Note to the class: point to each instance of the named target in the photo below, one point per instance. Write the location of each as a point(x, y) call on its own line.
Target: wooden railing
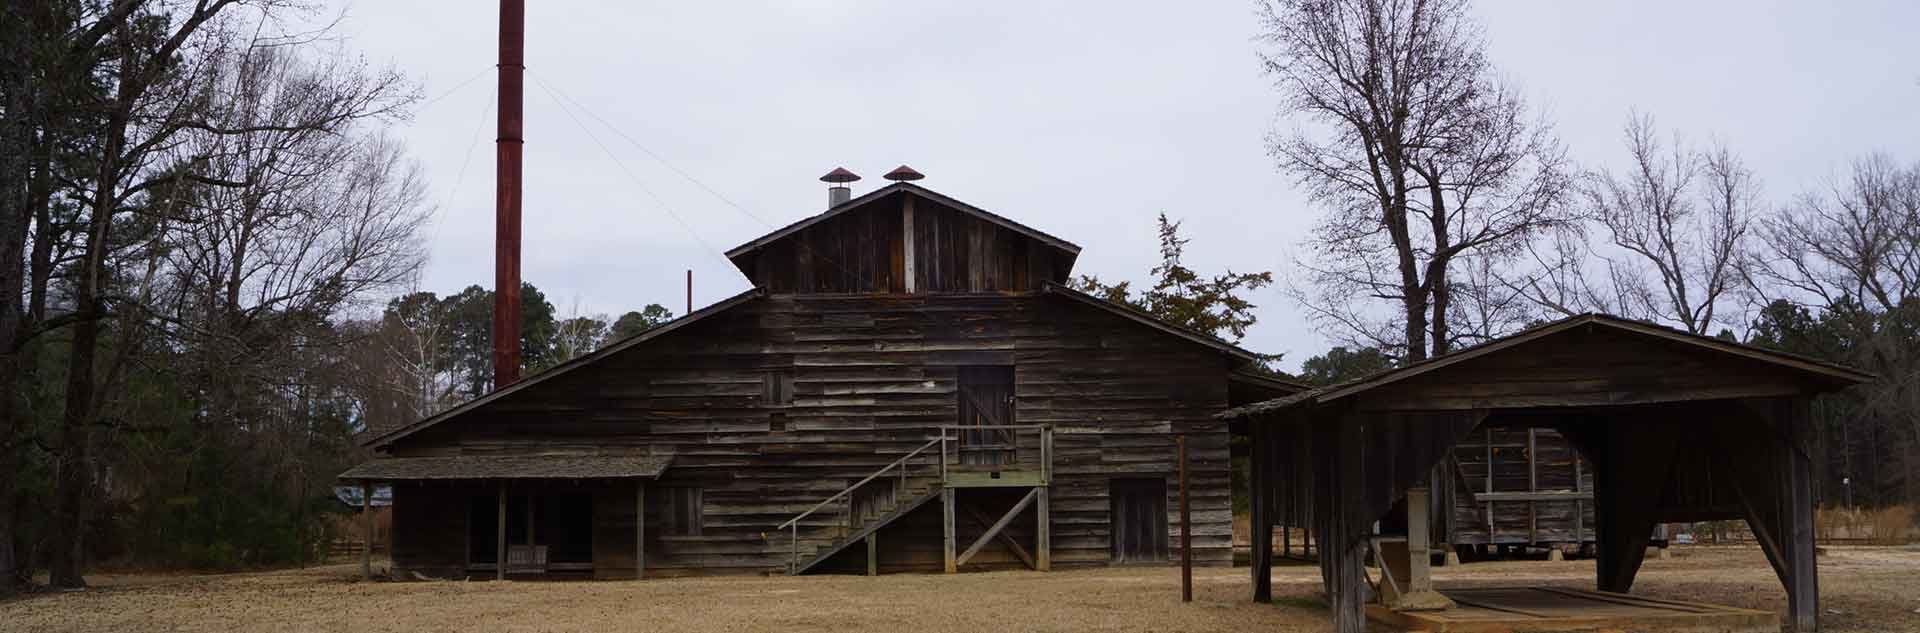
point(1026, 449)
point(1017, 447)
point(899, 467)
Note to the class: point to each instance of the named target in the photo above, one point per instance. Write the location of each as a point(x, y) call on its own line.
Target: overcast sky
point(1082, 119)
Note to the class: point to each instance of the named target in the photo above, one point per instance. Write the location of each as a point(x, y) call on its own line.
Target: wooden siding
point(863, 251)
point(871, 376)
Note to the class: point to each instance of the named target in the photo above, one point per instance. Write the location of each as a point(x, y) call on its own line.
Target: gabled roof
point(558, 370)
point(1831, 373)
point(913, 189)
point(1134, 314)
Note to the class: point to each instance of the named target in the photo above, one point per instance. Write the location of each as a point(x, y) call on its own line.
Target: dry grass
point(1865, 589)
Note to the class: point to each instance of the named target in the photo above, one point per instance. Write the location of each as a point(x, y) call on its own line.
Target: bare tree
point(1682, 215)
point(1422, 155)
point(173, 72)
point(1859, 239)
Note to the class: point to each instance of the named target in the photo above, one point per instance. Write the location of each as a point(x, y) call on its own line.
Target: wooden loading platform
point(1543, 609)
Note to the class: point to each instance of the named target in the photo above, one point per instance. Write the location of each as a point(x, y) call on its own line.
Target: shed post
point(1186, 528)
point(946, 525)
point(1419, 551)
point(366, 513)
point(873, 553)
point(640, 529)
point(1258, 484)
point(1043, 533)
point(500, 536)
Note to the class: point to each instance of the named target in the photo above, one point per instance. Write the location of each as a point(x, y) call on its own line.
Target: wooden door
point(986, 401)
point(1139, 515)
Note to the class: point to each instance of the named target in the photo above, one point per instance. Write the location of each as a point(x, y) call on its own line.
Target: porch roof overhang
point(482, 467)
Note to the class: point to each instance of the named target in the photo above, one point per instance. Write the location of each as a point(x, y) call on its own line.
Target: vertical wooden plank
point(1533, 485)
point(873, 553)
point(500, 536)
point(640, 528)
point(366, 549)
point(1803, 580)
point(1419, 550)
point(906, 233)
point(1260, 484)
point(1043, 533)
point(946, 527)
point(1186, 527)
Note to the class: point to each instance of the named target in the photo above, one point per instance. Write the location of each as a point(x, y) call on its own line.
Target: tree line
point(207, 239)
point(1451, 214)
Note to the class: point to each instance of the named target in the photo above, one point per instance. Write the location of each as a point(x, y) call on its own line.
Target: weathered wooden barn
point(1672, 427)
point(908, 386)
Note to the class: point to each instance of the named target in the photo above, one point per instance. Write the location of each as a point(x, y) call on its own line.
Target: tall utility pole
point(506, 196)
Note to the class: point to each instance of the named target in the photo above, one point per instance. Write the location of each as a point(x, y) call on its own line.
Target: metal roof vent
point(903, 173)
point(838, 193)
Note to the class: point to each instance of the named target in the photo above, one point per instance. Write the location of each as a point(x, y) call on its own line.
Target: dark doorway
point(563, 523)
point(1139, 527)
point(986, 401)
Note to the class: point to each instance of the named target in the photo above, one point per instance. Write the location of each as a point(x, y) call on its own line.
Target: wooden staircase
point(923, 475)
point(918, 492)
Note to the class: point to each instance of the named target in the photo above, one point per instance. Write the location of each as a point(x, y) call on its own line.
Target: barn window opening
point(777, 388)
point(681, 516)
point(777, 422)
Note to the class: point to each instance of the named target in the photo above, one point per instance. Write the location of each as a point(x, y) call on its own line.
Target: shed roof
point(562, 368)
point(466, 467)
point(1831, 373)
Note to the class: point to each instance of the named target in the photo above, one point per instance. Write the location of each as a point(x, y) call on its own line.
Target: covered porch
point(515, 516)
point(1677, 427)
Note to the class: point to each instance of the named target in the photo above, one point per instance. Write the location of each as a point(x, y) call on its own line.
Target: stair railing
point(792, 526)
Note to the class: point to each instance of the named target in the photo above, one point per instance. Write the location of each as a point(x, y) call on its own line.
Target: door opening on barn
point(1139, 509)
point(545, 533)
point(986, 401)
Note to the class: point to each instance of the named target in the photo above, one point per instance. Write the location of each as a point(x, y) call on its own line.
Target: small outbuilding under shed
point(1677, 428)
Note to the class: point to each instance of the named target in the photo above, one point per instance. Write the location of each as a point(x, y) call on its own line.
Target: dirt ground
point(1863, 589)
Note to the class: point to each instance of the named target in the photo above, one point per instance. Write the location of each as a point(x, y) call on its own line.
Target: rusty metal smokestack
point(506, 196)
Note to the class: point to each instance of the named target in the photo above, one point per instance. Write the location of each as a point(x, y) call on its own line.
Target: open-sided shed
point(1677, 428)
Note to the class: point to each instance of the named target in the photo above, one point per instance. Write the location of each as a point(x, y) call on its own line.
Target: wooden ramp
point(1518, 609)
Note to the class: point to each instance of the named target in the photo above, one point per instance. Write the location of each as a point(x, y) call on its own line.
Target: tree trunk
point(16, 141)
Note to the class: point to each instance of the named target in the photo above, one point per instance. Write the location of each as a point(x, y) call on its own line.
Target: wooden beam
point(639, 529)
point(366, 513)
point(873, 553)
point(1186, 526)
point(1419, 557)
point(946, 524)
point(500, 536)
point(1005, 538)
point(1260, 484)
point(997, 526)
point(1043, 534)
point(906, 234)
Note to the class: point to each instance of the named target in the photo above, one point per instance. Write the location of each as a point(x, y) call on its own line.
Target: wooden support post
point(1419, 558)
point(873, 553)
point(1186, 527)
point(1803, 584)
point(366, 513)
point(1043, 533)
point(946, 525)
point(1260, 494)
point(639, 529)
point(500, 536)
